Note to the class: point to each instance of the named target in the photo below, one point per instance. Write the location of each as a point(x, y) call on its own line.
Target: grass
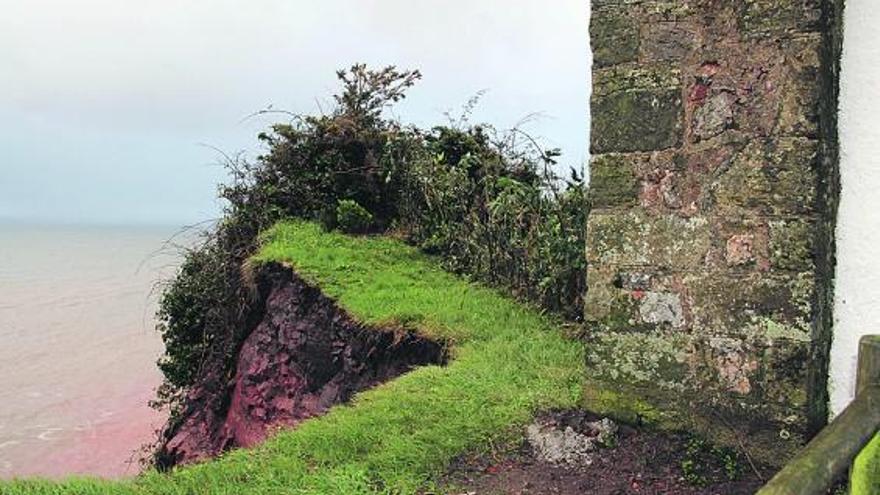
point(866, 470)
point(508, 361)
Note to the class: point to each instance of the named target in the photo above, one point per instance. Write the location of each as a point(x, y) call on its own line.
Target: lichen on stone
point(662, 307)
point(633, 238)
point(703, 287)
point(772, 330)
point(639, 358)
point(627, 78)
point(615, 39)
point(779, 17)
point(791, 244)
point(714, 116)
point(613, 181)
point(560, 444)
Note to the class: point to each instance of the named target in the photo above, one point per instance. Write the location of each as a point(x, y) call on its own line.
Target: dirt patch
point(641, 462)
point(302, 356)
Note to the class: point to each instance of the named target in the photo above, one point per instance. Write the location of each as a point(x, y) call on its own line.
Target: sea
point(78, 346)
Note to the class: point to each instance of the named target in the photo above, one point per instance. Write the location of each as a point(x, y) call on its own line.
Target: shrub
point(494, 209)
point(352, 218)
point(311, 162)
point(486, 202)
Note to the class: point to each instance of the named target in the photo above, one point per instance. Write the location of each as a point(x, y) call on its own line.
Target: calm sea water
point(78, 347)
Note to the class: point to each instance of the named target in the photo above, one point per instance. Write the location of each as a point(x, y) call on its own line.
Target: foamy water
point(78, 347)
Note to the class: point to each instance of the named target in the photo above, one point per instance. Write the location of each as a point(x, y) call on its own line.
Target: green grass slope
point(507, 362)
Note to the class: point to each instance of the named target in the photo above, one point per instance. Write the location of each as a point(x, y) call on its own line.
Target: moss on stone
point(624, 406)
point(642, 77)
point(799, 98)
point(645, 359)
point(791, 244)
point(637, 239)
point(774, 330)
point(637, 120)
point(780, 17)
point(772, 178)
point(765, 442)
point(613, 181)
point(739, 305)
point(782, 381)
point(733, 253)
point(622, 312)
point(597, 304)
point(615, 38)
point(797, 154)
point(666, 9)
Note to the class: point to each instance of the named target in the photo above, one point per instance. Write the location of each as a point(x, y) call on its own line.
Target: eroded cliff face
point(303, 355)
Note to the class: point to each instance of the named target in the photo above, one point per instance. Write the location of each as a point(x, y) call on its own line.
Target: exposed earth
point(641, 462)
point(302, 356)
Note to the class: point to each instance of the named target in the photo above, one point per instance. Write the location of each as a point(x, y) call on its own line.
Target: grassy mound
point(507, 361)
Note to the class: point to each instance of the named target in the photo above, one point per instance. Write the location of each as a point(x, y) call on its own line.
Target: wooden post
point(869, 362)
point(828, 456)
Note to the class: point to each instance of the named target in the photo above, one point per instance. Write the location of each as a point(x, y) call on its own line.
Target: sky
point(112, 111)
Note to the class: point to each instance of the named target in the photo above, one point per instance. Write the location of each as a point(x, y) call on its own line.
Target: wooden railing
point(825, 460)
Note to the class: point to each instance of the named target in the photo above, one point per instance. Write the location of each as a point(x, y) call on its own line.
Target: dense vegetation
point(507, 361)
point(487, 203)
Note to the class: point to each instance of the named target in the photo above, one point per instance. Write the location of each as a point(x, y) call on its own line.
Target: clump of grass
point(507, 362)
point(705, 463)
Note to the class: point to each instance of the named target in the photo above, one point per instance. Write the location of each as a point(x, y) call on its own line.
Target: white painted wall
point(857, 285)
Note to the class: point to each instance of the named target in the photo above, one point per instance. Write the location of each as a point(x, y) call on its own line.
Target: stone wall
point(713, 190)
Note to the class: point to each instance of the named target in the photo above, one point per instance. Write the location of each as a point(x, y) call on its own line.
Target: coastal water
point(78, 347)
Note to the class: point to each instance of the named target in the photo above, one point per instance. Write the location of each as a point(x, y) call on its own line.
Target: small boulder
point(557, 444)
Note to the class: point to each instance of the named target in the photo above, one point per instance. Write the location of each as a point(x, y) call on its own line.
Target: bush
point(494, 209)
point(311, 162)
point(352, 218)
point(485, 202)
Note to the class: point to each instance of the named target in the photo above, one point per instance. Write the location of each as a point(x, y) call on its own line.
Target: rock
point(740, 249)
point(662, 307)
point(561, 444)
point(667, 41)
point(714, 116)
point(605, 432)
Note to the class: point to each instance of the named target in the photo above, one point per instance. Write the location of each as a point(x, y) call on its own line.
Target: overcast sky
point(109, 108)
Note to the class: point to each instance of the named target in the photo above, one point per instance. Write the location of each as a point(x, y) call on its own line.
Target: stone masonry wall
point(711, 185)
